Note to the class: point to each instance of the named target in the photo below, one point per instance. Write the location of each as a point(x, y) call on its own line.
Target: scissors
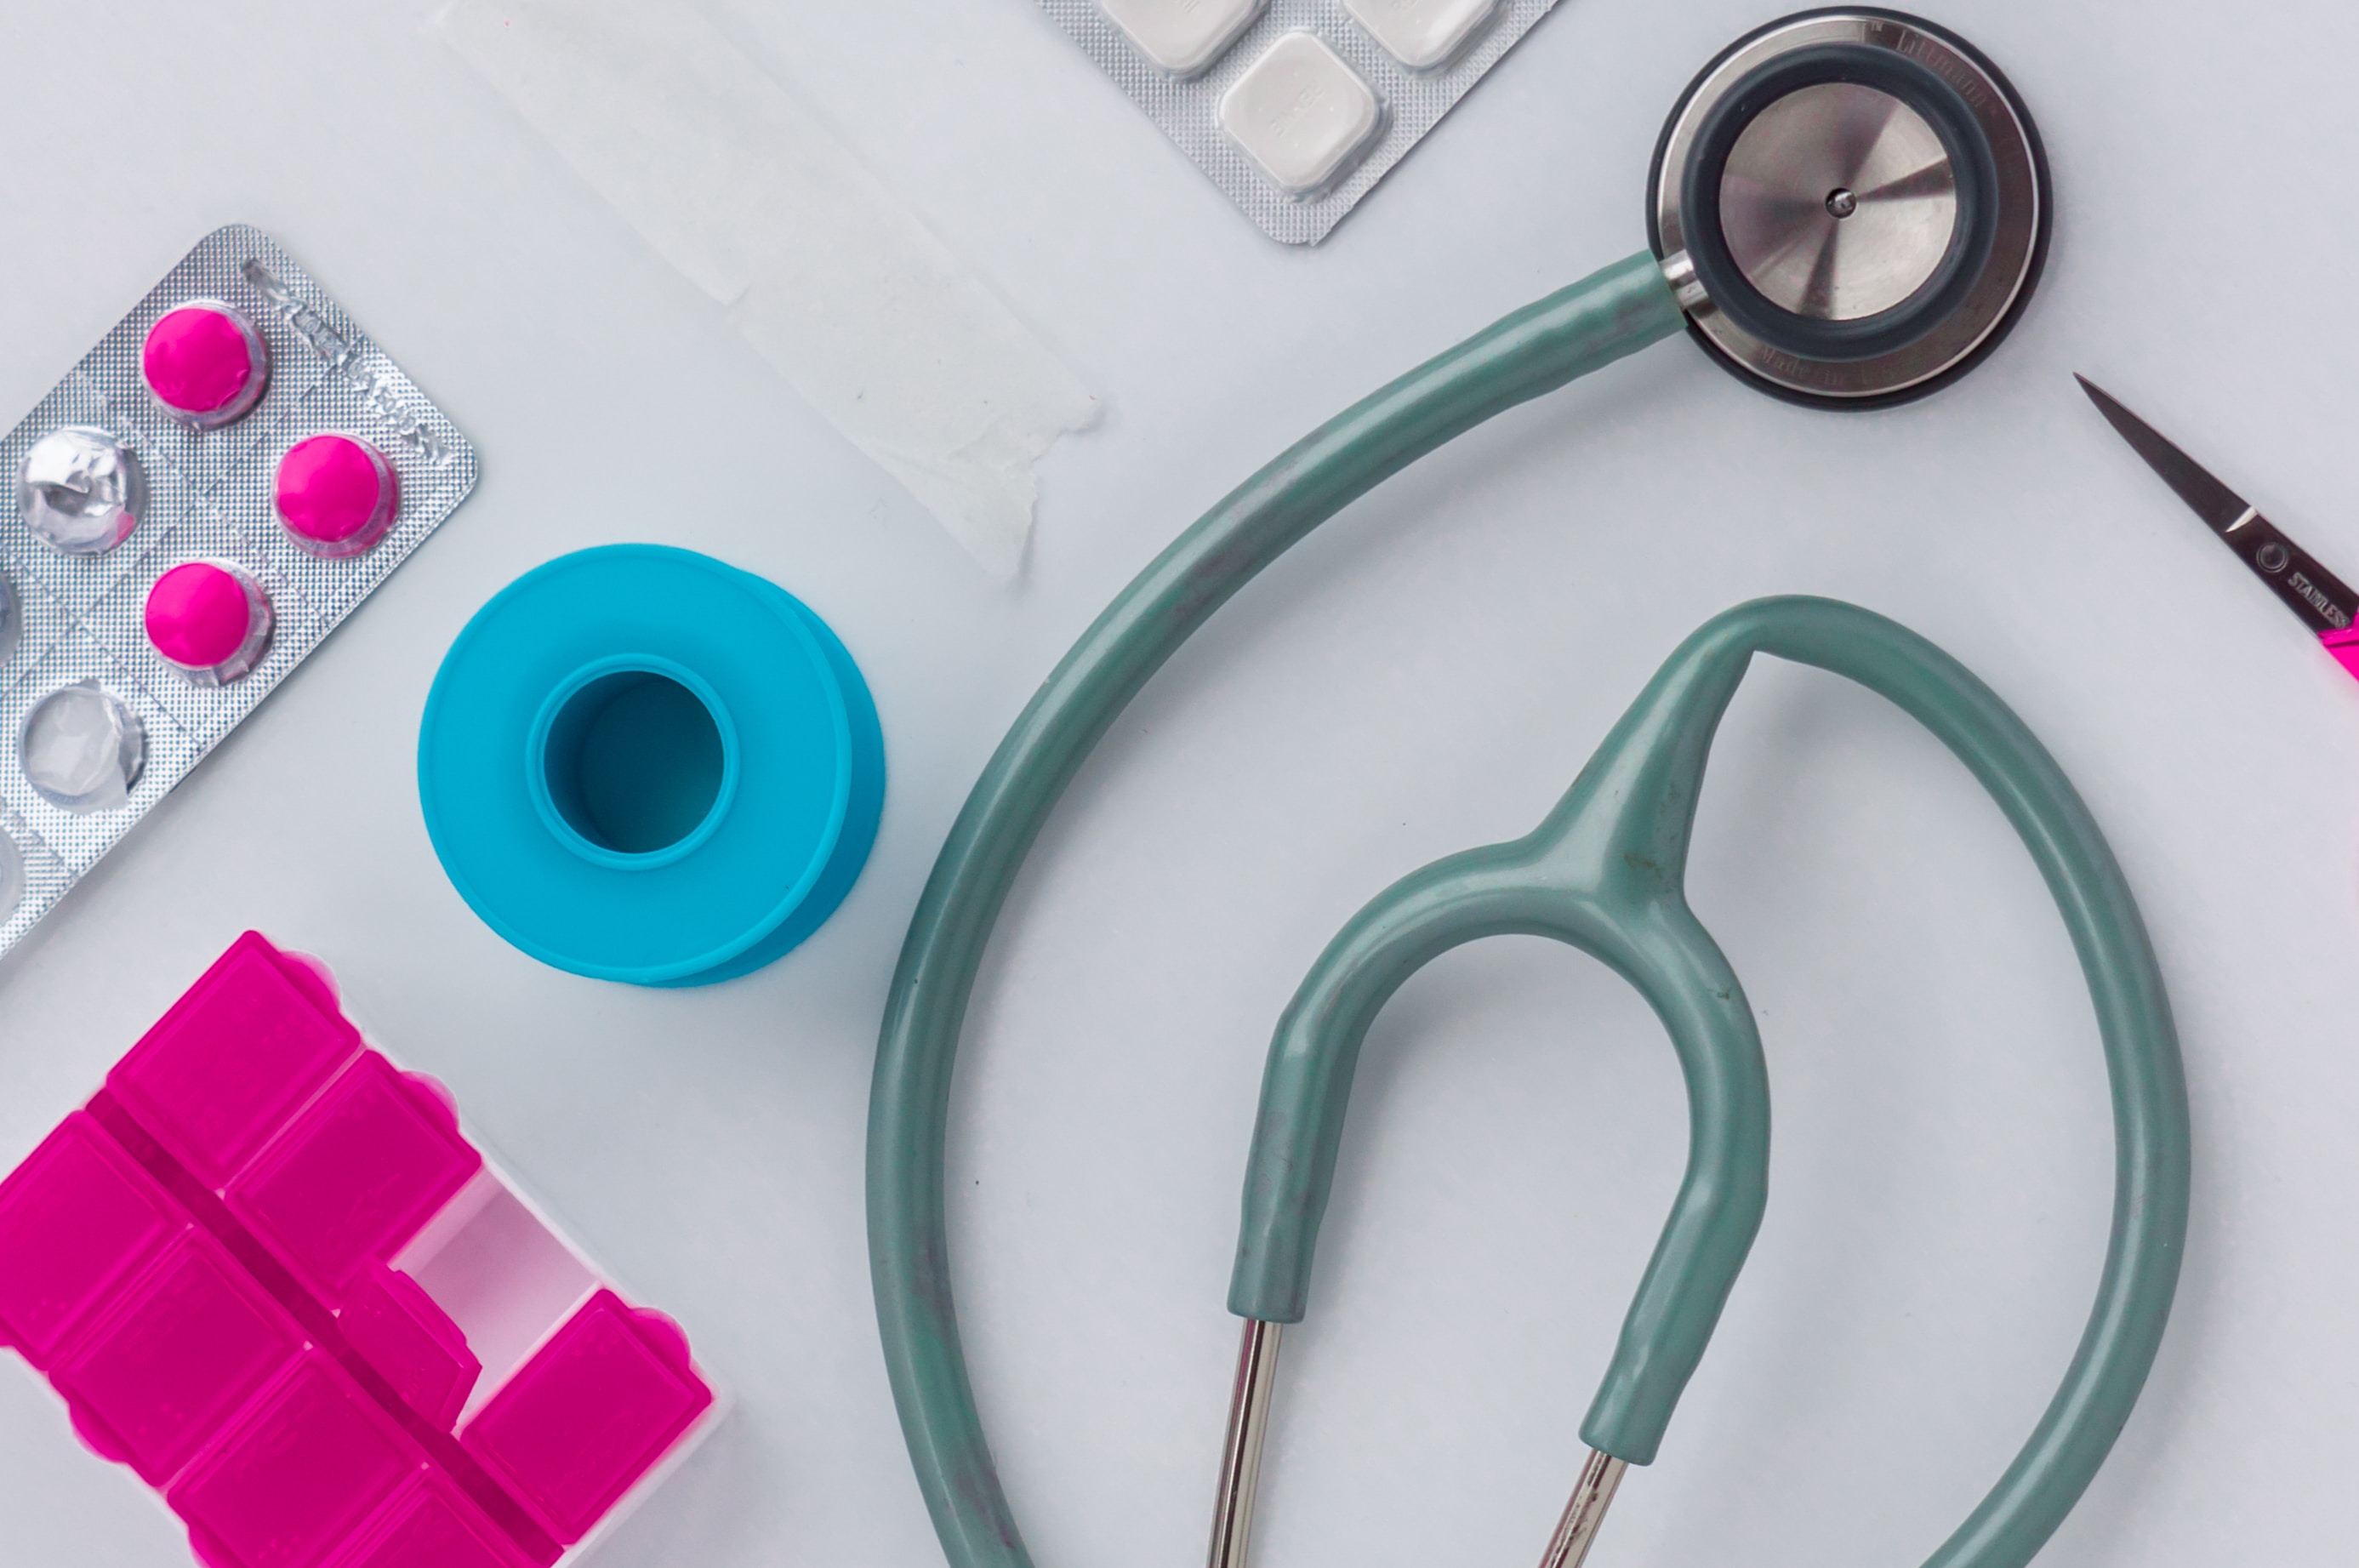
point(2318, 597)
point(1847, 209)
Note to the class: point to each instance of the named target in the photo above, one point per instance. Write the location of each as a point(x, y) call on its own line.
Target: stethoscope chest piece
point(1852, 205)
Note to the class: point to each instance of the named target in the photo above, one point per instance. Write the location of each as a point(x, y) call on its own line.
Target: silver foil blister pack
point(1296, 108)
point(163, 567)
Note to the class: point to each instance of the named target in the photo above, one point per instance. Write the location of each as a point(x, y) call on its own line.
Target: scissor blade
point(2325, 604)
point(2213, 502)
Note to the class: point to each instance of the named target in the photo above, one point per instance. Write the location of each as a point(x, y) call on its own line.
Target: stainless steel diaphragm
point(1853, 204)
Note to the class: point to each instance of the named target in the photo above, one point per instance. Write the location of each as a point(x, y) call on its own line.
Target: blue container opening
point(633, 762)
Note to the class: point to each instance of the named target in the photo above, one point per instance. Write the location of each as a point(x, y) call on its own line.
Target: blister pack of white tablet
point(197, 504)
point(1296, 108)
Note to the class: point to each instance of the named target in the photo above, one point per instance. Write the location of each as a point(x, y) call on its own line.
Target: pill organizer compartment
point(271, 1273)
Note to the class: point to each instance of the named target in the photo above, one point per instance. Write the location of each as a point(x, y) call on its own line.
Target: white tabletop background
point(1427, 673)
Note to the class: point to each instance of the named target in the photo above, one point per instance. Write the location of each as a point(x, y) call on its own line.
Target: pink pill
point(205, 363)
point(209, 620)
point(337, 494)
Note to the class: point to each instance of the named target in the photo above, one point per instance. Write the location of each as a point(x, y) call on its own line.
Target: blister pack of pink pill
point(197, 504)
point(273, 1275)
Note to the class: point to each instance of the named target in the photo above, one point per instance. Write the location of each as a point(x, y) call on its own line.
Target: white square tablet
point(1300, 112)
point(1183, 37)
point(1421, 34)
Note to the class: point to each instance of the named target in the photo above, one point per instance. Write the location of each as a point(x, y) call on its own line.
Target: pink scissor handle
point(2344, 647)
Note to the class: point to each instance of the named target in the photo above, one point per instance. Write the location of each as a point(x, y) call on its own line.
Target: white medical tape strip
point(831, 278)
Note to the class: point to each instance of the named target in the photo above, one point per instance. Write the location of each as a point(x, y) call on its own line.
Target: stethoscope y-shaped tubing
point(1592, 323)
point(1605, 871)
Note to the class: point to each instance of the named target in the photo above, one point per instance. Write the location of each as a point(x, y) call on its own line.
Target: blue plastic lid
point(641, 763)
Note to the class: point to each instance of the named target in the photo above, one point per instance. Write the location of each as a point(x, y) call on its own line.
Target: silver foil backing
point(210, 496)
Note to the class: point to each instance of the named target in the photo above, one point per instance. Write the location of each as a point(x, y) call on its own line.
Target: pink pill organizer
point(266, 1270)
point(196, 505)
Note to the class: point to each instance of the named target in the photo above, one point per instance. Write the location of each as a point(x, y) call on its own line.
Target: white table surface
point(1426, 674)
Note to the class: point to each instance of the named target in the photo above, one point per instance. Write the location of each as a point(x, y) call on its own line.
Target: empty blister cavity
point(336, 494)
point(12, 876)
point(1423, 34)
point(210, 620)
point(81, 490)
point(12, 620)
point(205, 363)
point(82, 748)
point(1301, 113)
point(1182, 36)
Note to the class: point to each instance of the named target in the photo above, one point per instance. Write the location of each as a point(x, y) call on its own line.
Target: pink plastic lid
point(203, 359)
point(200, 615)
point(336, 494)
point(356, 1174)
point(75, 1219)
point(430, 1524)
point(309, 1463)
point(161, 1371)
point(590, 1414)
point(233, 1059)
point(398, 1329)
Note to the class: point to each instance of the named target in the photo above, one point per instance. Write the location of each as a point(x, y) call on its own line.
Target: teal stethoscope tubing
point(1605, 873)
point(1579, 328)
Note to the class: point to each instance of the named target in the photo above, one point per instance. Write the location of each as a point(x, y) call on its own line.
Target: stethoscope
point(1849, 208)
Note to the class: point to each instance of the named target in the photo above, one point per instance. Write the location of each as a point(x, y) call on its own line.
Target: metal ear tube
point(1232, 1509)
point(1585, 1514)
